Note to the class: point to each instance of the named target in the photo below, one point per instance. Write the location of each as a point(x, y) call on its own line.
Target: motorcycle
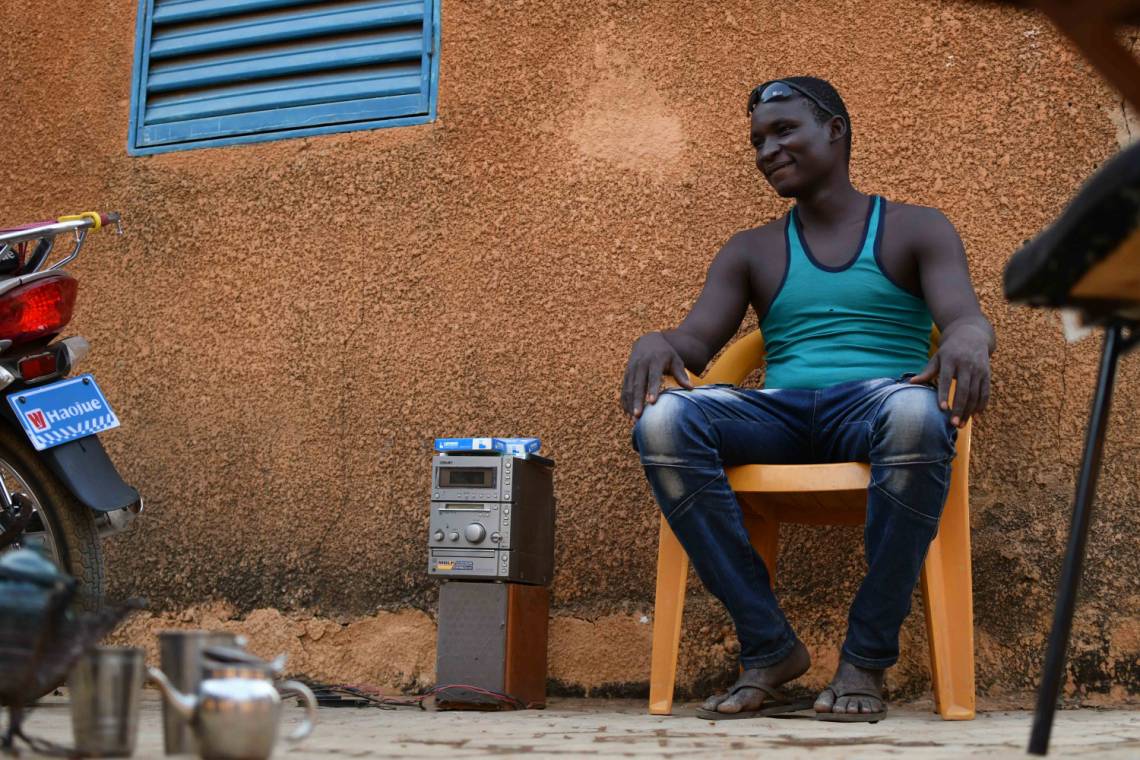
point(58, 488)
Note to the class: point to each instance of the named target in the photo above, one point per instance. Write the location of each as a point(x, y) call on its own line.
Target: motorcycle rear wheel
point(60, 523)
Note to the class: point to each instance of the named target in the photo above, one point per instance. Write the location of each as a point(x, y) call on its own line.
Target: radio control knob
point(453, 536)
point(438, 535)
point(474, 533)
point(496, 537)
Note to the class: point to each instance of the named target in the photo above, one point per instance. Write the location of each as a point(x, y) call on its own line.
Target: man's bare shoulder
point(766, 239)
point(918, 224)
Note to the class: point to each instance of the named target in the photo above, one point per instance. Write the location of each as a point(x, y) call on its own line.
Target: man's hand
point(963, 357)
point(649, 359)
point(714, 319)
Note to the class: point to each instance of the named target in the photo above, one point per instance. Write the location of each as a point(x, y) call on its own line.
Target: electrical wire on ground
point(364, 695)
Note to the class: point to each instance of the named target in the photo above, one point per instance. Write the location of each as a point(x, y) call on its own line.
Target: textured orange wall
point(287, 325)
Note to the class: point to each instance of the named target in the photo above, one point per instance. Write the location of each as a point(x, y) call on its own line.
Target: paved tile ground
point(620, 728)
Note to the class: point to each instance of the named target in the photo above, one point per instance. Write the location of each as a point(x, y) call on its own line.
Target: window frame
point(141, 67)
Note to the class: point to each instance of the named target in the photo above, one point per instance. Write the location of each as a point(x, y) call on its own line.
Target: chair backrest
point(745, 356)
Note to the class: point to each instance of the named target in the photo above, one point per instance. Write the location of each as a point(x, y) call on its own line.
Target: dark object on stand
point(41, 634)
point(1089, 260)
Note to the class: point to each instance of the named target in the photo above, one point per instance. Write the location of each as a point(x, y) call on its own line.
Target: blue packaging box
point(518, 447)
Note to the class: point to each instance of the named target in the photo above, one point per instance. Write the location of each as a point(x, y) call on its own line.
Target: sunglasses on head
point(780, 90)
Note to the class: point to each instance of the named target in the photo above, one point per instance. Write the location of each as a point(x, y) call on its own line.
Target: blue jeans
point(688, 437)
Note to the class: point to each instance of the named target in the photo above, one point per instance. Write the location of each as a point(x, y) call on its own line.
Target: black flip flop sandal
point(776, 703)
point(871, 717)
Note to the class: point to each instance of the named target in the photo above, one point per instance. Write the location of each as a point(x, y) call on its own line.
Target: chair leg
point(672, 574)
point(948, 599)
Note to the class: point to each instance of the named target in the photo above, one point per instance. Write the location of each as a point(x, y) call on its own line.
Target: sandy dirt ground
point(621, 728)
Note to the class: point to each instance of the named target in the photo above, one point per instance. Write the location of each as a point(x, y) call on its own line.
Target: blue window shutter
point(214, 72)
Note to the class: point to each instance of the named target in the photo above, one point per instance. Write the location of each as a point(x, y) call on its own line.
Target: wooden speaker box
point(492, 636)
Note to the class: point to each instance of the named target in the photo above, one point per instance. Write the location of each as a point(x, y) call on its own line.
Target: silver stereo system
point(492, 518)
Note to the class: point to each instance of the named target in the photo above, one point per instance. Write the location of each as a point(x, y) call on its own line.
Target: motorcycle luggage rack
point(46, 232)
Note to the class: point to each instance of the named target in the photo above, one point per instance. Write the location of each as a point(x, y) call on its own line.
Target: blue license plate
point(63, 411)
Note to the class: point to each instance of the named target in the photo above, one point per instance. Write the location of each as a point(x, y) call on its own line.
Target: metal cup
point(180, 656)
point(106, 686)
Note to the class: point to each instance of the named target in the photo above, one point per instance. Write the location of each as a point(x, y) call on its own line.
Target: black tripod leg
point(1075, 554)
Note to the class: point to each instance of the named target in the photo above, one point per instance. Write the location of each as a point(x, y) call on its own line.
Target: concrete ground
point(621, 728)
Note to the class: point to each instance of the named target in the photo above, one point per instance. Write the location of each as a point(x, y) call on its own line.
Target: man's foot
point(767, 679)
point(853, 691)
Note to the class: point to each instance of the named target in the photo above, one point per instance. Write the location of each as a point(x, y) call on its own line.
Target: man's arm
point(967, 337)
point(719, 310)
point(710, 324)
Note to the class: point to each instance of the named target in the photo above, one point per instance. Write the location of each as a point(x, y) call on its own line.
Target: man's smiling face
point(793, 150)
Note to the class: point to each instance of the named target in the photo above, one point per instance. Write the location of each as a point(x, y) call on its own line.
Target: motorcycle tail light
point(32, 367)
point(37, 309)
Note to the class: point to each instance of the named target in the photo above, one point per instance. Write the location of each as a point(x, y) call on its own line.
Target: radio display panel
point(467, 477)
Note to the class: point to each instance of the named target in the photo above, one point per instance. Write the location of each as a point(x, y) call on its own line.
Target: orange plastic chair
point(829, 494)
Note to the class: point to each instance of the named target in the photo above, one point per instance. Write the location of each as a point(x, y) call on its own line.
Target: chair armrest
point(747, 354)
point(667, 380)
point(738, 361)
point(733, 366)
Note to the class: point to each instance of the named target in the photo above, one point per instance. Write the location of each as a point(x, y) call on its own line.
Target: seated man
point(845, 287)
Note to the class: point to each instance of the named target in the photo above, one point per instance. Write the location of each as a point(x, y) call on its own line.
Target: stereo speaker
point(492, 636)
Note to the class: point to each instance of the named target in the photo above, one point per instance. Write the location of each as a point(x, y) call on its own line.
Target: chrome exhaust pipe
point(110, 523)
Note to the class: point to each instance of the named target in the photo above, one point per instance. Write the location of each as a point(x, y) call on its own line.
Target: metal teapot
point(235, 713)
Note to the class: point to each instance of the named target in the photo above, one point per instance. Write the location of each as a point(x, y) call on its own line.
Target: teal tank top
point(829, 325)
